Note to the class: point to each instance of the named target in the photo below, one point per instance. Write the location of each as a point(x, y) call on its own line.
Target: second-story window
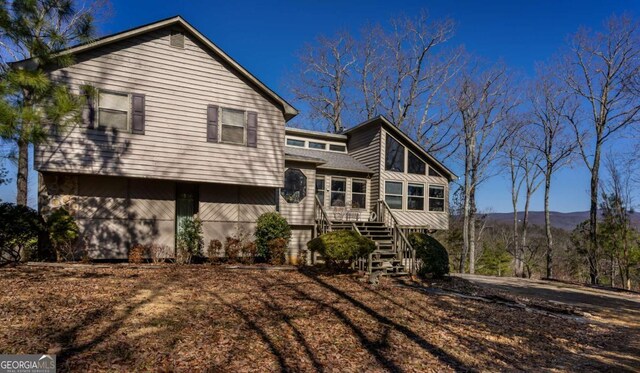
point(233, 126)
point(416, 165)
point(394, 155)
point(113, 110)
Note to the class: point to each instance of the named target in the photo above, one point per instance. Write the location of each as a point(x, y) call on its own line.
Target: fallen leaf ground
point(207, 318)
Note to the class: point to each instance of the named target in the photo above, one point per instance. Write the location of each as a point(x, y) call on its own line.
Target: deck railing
point(323, 224)
point(403, 249)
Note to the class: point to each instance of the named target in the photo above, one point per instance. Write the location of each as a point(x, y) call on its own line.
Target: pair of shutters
point(212, 126)
point(137, 113)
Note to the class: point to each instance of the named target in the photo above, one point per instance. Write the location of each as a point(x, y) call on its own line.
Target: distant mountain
point(563, 220)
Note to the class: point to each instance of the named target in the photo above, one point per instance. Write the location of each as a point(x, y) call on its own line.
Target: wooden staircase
point(385, 259)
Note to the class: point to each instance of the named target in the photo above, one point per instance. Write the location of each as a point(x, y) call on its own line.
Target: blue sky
point(265, 36)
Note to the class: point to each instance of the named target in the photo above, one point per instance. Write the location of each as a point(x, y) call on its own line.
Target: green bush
point(341, 246)
point(434, 256)
point(20, 227)
point(270, 226)
point(190, 239)
point(63, 233)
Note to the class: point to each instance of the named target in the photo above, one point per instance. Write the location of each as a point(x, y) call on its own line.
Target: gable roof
point(288, 110)
point(398, 132)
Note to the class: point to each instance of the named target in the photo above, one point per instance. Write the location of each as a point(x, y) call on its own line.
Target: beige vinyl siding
point(413, 218)
point(302, 213)
point(231, 210)
point(178, 85)
point(364, 145)
point(113, 213)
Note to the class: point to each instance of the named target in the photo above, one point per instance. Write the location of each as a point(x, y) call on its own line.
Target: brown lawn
point(196, 318)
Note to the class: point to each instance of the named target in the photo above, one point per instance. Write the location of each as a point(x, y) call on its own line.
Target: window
point(338, 191)
point(394, 157)
point(358, 193)
point(415, 197)
point(433, 172)
point(317, 145)
point(113, 110)
point(393, 194)
point(337, 148)
point(295, 186)
point(320, 189)
point(233, 125)
point(293, 142)
point(436, 198)
point(416, 165)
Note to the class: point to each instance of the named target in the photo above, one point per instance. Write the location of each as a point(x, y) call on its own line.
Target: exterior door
point(186, 204)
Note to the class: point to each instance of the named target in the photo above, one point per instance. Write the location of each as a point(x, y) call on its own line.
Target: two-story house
point(174, 127)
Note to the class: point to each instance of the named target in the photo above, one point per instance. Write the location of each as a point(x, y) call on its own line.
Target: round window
point(295, 186)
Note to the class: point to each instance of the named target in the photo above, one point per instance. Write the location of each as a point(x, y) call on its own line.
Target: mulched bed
point(197, 318)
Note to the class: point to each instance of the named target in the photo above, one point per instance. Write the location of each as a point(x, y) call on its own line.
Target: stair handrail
point(323, 219)
point(397, 232)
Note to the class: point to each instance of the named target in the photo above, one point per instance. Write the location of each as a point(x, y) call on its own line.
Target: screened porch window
point(415, 197)
point(394, 157)
point(338, 191)
point(393, 194)
point(233, 126)
point(320, 189)
point(113, 110)
point(358, 193)
point(436, 198)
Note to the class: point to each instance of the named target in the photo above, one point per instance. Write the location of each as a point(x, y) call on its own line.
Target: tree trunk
point(467, 205)
point(472, 234)
point(547, 222)
point(23, 173)
point(516, 252)
point(593, 216)
point(525, 226)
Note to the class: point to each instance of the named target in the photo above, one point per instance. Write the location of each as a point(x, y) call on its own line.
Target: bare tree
point(399, 71)
point(552, 111)
point(484, 101)
point(322, 83)
point(599, 65)
point(512, 162)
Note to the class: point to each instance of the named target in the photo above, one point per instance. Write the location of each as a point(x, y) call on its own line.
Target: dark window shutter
point(89, 112)
point(212, 123)
point(137, 114)
point(252, 129)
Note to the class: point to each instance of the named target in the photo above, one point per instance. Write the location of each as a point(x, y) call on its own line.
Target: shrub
point(20, 227)
point(137, 254)
point(232, 248)
point(341, 246)
point(249, 252)
point(189, 239)
point(270, 225)
point(434, 257)
point(63, 233)
point(214, 251)
point(157, 252)
point(277, 251)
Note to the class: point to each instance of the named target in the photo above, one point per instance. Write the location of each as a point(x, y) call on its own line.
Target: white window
point(436, 198)
point(320, 189)
point(415, 197)
point(338, 191)
point(233, 126)
point(113, 110)
point(294, 142)
point(317, 145)
point(358, 193)
point(393, 194)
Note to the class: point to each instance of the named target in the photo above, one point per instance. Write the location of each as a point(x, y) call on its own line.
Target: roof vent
point(177, 39)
